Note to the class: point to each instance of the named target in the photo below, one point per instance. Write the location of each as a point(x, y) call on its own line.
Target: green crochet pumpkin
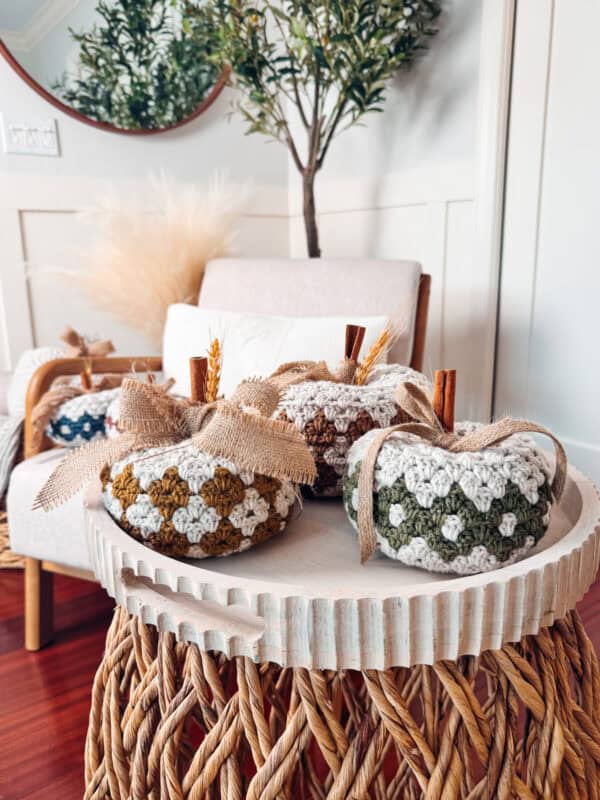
point(462, 513)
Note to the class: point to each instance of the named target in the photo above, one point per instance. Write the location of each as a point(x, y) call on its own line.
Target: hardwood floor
point(44, 697)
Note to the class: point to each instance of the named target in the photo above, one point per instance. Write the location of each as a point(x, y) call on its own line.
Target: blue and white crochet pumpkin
point(81, 419)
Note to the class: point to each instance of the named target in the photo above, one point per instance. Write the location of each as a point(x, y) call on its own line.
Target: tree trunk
point(310, 215)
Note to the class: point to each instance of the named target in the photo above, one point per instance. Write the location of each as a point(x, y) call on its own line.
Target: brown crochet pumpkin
point(186, 503)
point(332, 416)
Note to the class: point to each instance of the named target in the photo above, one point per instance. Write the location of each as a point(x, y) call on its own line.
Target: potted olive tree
point(326, 61)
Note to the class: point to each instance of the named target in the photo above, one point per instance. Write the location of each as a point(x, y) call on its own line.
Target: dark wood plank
point(45, 696)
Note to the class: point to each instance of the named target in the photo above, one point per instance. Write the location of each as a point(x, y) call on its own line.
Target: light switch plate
point(32, 138)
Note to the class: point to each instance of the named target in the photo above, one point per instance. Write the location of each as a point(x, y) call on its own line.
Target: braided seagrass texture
point(8, 559)
point(170, 722)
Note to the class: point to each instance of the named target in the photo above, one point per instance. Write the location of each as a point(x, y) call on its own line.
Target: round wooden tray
point(304, 600)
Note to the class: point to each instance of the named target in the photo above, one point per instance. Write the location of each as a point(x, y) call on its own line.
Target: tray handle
point(178, 612)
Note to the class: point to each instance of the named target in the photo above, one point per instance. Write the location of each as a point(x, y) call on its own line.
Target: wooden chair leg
point(39, 605)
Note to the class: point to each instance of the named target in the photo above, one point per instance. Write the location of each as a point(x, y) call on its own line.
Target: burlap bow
point(237, 429)
point(294, 372)
point(80, 347)
point(241, 430)
point(417, 405)
point(301, 371)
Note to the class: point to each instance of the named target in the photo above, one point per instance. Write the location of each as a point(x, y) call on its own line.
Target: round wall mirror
point(131, 67)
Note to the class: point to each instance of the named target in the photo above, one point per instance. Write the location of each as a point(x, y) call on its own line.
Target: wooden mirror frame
point(105, 126)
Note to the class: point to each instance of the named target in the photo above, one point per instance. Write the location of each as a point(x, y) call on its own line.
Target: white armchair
point(55, 541)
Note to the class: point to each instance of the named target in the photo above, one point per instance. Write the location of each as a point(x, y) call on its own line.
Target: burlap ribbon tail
point(415, 402)
point(238, 429)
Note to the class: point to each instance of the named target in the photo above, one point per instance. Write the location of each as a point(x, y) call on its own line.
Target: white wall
point(41, 232)
point(407, 185)
point(549, 331)
point(412, 184)
point(192, 152)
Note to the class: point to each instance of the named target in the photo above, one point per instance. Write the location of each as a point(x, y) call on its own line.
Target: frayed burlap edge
point(267, 446)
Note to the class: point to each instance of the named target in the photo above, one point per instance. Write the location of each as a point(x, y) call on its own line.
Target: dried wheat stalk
point(215, 354)
point(373, 356)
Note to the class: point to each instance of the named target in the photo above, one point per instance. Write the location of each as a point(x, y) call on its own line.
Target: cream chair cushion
point(57, 535)
point(318, 287)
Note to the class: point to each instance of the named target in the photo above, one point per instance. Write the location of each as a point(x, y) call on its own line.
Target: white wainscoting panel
point(427, 215)
point(54, 246)
point(17, 335)
point(464, 314)
point(44, 238)
point(547, 365)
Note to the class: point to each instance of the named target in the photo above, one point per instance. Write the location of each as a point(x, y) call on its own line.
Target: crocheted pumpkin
point(454, 512)
point(183, 502)
point(332, 416)
point(81, 419)
point(111, 423)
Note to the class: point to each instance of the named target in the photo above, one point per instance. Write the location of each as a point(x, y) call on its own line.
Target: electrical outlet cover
point(33, 138)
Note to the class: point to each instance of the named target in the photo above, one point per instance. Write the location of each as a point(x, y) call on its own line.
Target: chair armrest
point(416, 361)
point(45, 375)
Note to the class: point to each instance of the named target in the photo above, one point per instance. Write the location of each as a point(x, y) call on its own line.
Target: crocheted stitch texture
point(111, 423)
point(454, 512)
point(334, 415)
point(186, 503)
point(81, 419)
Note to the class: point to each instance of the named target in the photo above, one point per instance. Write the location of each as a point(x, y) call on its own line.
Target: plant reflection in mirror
point(143, 65)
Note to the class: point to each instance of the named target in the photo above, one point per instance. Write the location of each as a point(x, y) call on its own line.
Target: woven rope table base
point(169, 722)
point(8, 559)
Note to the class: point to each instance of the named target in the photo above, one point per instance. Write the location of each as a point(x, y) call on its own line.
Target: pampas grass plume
point(147, 258)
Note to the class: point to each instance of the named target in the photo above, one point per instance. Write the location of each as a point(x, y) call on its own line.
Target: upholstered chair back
point(318, 287)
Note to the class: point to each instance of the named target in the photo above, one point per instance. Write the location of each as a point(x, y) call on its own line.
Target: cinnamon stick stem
point(444, 395)
point(355, 335)
point(198, 376)
point(449, 400)
point(358, 340)
point(86, 379)
point(439, 380)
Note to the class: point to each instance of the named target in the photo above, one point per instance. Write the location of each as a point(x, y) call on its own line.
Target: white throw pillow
point(254, 345)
